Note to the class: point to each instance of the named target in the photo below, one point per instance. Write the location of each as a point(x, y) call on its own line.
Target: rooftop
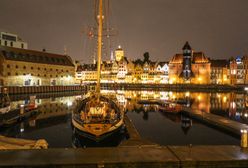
point(16, 54)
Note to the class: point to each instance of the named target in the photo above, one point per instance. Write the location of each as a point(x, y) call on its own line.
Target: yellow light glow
point(199, 97)
point(224, 99)
point(187, 94)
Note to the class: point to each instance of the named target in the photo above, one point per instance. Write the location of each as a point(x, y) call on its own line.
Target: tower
point(187, 57)
point(119, 54)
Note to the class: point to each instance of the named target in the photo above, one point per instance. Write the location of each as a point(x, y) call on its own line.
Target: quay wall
point(172, 87)
point(123, 86)
point(41, 89)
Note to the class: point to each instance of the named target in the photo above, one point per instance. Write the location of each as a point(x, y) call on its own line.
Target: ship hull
point(96, 132)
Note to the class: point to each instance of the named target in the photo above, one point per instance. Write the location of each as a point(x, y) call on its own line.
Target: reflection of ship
point(97, 116)
point(113, 140)
point(170, 108)
point(5, 102)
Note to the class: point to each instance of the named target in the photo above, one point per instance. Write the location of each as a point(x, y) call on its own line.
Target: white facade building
point(12, 40)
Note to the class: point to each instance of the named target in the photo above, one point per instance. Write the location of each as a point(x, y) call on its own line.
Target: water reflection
point(54, 122)
point(230, 105)
point(80, 141)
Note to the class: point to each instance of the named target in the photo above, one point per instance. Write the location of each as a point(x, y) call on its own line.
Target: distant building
point(220, 71)
point(86, 73)
point(239, 70)
point(21, 67)
point(189, 67)
point(119, 54)
point(12, 40)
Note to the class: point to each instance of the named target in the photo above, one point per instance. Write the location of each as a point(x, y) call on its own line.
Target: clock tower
point(187, 57)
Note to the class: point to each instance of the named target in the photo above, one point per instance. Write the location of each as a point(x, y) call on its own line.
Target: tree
point(146, 57)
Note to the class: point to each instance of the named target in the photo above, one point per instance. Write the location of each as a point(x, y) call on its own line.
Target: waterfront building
point(22, 67)
point(237, 70)
point(162, 70)
point(122, 69)
point(138, 71)
point(189, 67)
point(88, 73)
point(12, 40)
point(220, 72)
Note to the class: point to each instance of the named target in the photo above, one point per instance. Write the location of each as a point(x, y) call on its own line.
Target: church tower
point(119, 54)
point(187, 57)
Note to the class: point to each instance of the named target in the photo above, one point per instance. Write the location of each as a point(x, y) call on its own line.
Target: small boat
point(97, 116)
point(170, 108)
point(4, 102)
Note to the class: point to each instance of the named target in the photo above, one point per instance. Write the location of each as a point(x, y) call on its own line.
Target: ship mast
point(99, 54)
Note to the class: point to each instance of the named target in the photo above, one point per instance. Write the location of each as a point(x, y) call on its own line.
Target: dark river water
point(54, 122)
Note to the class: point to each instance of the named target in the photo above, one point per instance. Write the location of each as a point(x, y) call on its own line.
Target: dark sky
point(217, 27)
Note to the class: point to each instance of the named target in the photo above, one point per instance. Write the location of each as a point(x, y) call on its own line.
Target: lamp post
point(244, 137)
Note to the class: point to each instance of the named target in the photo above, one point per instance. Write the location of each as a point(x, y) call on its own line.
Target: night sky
point(219, 28)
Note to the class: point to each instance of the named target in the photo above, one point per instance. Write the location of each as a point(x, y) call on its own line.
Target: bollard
point(244, 138)
point(21, 109)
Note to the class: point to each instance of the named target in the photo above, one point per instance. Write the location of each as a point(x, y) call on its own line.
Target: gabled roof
point(17, 54)
point(186, 46)
point(197, 58)
point(219, 63)
point(162, 63)
point(89, 67)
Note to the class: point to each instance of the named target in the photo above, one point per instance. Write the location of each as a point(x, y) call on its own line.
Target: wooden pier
point(219, 122)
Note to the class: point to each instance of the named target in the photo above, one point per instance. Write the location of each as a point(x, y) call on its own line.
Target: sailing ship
point(97, 116)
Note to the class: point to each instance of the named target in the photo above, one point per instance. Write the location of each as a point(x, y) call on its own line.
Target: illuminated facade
point(239, 70)
point(119, 54)
point(220, 72)
point(12, 40)
point(21, 67)
point(189, 67)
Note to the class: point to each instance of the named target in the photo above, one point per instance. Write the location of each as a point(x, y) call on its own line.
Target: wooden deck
point(223, 123)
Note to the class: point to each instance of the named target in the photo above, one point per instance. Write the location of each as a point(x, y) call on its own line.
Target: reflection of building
point(220, 72)
point(189, 67)
point(12, 40)
point(20, 67)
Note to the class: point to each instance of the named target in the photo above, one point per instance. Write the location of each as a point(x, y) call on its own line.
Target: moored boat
point(97, 116)
point(170, 108)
